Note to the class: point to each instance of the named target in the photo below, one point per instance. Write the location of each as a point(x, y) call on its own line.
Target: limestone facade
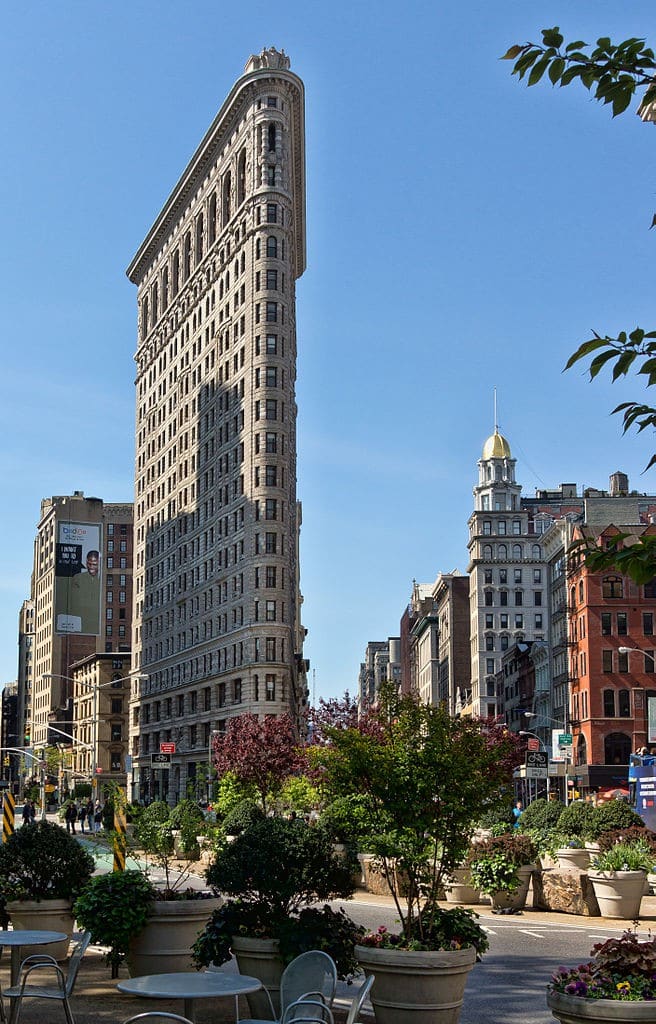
point(218, 630)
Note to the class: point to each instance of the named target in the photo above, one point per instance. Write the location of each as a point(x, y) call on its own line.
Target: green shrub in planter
point(575, 820)
point(43, 862)
point(272, 871)
point(241, 817)
point(611, 815)
point(114, 908)
point(345, 819)
point(495, 862)
point(189, 819)
point(541, 815)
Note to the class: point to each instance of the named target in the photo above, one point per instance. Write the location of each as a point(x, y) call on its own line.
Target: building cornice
point(216, 137)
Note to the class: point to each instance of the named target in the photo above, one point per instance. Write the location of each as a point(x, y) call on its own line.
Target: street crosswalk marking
point(537, 935)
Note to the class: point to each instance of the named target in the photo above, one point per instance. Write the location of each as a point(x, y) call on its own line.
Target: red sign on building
point(167, 748)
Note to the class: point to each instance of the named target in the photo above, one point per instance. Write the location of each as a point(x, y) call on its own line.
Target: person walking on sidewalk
point(71, 817)
point(82, 814)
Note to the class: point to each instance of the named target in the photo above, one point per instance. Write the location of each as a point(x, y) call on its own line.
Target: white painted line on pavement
point(536, 935)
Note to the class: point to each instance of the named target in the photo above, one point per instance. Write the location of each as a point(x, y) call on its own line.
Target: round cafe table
point(19, 937)
point(191, 985)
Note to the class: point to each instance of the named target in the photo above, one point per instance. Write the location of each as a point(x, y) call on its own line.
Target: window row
point(517, 596)
point(517, 575)
point(502, 527)
point(499, 552)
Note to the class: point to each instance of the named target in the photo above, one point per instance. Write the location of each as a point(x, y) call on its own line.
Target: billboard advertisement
point(78, 578)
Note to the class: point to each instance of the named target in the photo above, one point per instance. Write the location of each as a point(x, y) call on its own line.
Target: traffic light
point(27, 738)
point(6, 762)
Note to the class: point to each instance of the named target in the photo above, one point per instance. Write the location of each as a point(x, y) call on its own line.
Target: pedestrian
point(97, 816)
point(32, 811)
point(518, 810)
point(82, 814)
point(27, 818)
point(71, 817)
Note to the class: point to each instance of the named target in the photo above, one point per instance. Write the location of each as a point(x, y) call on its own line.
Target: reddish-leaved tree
point(263, 752)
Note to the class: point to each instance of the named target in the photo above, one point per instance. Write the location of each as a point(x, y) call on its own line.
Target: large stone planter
point(43, 915)
point(618, 893)
point(163, 946)
point(569, 857)
point(417, 988)
point(514, 900)
point(574, 1010)
point(458, 888)
point(260, 958)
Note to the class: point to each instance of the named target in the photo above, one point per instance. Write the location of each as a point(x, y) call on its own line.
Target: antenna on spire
point(496, 421)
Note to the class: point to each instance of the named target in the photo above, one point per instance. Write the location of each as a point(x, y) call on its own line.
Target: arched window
point(572, 597)
point(225, 198)
point(271, 137)
point(155, 303)
point(536, 551)
point(258, 248)
point(612, 586)
point(144, 317)
point(581, 750)
point(609, 703)
point(487, 552)
point(617, 747)
point(517, 551)
point(175, 273)
point(624, 704)
point(272, 246)
point(211, 220)
point(200, 238)
point(502, 552)
point(580, 590)
point(186, 256)
point(241, 177)
point(165, 288)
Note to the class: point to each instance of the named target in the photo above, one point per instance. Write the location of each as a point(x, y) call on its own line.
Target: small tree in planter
point(496, 863)
point(425, 778)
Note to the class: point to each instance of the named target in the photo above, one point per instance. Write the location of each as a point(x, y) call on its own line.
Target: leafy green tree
point(614, 74)
point(425, 779)
point(230, 792)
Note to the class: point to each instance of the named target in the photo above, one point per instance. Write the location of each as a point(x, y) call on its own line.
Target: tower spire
point(496, 420)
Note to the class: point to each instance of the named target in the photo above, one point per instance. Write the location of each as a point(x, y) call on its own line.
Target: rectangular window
point(519, 621)
point(272, 344)
point(487, 576)
point(489, 621)
point(606, 624)
point(537, 575)
point(538, 621)
point(270, 687)
point(517, 575)
point(270, 611)
point(272, 213)
point(503, 575)
point(117, 705)
point(537, 598)
point(489, 666)
point(489, 643)
point(237, 691)
point(270, 648)
point(648, 623)
point(649, 661)
point(503, 598)
point(271, 508)
point(116, 732)
point(503, 620)
point(606, 661)
point(272, 312)
point(621, 624)
point(622, 662)
point(272, 280)
point(271, 576)
point(271, 377)
point(271, 409)
point(488, 598)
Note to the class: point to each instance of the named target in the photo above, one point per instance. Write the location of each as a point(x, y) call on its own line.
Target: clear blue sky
point(463, 232)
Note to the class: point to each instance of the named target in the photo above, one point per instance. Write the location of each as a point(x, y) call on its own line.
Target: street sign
point(565, 739)
point(160, 760)
point(537, 764)
point(533, 744)
point(167, 748)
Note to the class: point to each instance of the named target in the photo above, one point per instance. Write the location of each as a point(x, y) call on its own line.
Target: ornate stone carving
point(268, 58)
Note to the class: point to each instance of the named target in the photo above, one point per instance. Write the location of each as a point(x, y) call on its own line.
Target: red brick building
point(609, 687)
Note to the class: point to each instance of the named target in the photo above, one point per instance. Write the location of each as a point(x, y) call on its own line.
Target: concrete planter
point(569, 857)
point(417, 988)
point(514, 900)
point(619, 893)
point(459, 889)
point(260, 958)
point(574, 1010)
point(163, 946)
point(43, 915)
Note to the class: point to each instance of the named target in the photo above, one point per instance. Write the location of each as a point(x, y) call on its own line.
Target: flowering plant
point(623, 969)
point(450, 929)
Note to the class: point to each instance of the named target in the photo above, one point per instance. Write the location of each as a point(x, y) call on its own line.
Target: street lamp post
point(93, 688)
point(213, 733)
point(42, 774)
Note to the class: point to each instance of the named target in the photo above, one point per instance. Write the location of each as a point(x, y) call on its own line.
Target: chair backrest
point(308, 1011)
point(79, 949)
point(359, 999)
point(157, 1015)
point(314, 972)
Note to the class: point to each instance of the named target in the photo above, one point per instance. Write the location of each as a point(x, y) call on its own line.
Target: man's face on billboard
point(92, 564)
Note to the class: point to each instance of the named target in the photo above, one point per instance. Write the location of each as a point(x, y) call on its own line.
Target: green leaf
point(556, 69)
point(538, 71)
point(599, 362)
point(621, 101)
point(623, 364)
point(585, 349)
point(575, 46)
